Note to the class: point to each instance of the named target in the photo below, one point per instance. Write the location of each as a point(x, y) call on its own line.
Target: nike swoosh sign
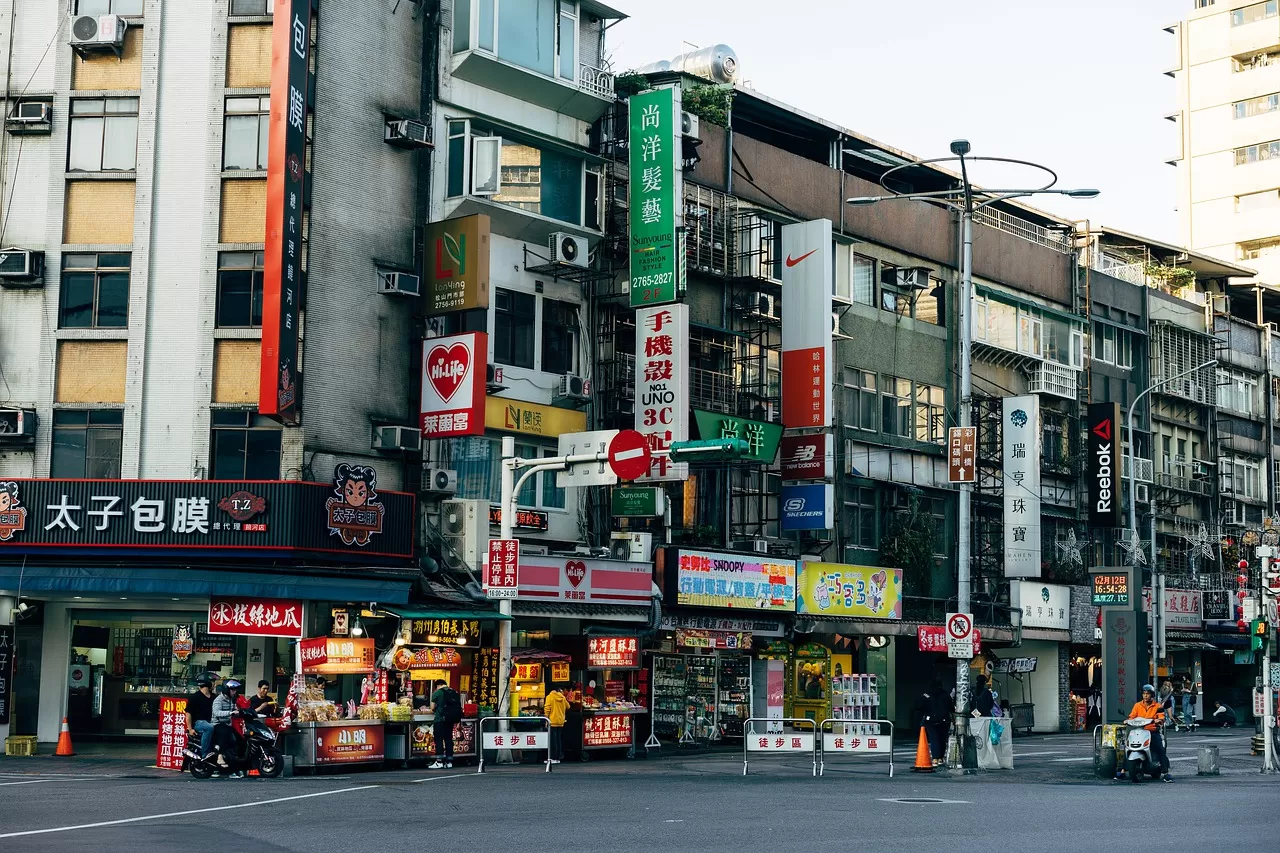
point(791, 262)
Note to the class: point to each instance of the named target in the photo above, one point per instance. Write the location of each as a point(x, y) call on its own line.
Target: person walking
point(555, 706)
point(1189, 700)
point(446, 706)
point(1167, 700)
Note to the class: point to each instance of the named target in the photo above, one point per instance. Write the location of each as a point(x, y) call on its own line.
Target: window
point(559, 336)
point(1257, 201)
point(1260, 249)
point(567, 41)
point(1256, 106)
point(95, 291)
point(1112, 345)
point(859, 399)
point(239, 290)
point(515, 173)
point(1261, 151)
point(104, 135)
point(913, 409)
point(86, 444)
point(1240, 476)
point(895, 407)
point(1055, 439)
point(1237, 391)
point(1255, 61)
point(246, 446)
point(1254, 12)
point(862, 280)
point(931, 413)
point(1030, 334)
point(109, 7)
point(253, 7)
point(478, 463)
point(540, 35)
point(513, 319)
point(858, 522)
point(244, 143)
point(930, 304)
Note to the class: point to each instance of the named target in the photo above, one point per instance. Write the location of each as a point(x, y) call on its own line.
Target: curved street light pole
point(966, 200)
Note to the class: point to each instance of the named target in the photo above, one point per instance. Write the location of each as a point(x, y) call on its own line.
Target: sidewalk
point(91, 758)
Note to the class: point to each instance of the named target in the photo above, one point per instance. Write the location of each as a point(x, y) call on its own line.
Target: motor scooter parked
point(259, 754)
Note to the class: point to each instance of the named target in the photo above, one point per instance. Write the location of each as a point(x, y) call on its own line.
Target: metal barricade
point(522, 740)
point(862, 741)
point(780, 742)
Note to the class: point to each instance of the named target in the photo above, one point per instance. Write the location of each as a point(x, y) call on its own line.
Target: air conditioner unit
point(20, 267)
point(406, 133)
point(17, 426)
point(399, 283)
point(913, 278)
point(835, 326)
point(760, 546)
point(626, 545)
point(689, 125)
point(30, 117)
point(397, 439)
point(97, 32)
point(571, 388)
point(763, 305)
point(568, 249)
point(439, 481)
point(1142, 493)
point(464, 524)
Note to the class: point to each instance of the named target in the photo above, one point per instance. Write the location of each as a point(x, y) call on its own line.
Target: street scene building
point(269, 315)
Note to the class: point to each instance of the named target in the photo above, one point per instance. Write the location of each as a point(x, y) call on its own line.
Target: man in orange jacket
point(1149, 708)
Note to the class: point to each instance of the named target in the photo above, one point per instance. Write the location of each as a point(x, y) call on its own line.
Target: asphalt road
point(1049, 803)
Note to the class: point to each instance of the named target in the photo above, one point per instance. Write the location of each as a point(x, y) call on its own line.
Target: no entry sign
point(629, 455)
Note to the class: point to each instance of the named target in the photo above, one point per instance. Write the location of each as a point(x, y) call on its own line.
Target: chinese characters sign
point(962, 454)
point(761, 438)
point(182, 514)
point(701, 638)
point(8, 648)
point(662, 383)
point(613, 653)
point(855, 743)
point(1044, 605)
point(532, 418)
point(705, 579)
point(806, 324)
point(349, 744)
point(933, 638)
point(794, 742)
point(287, 187)
point(444, 631)
point(255, 617)
point(606, 730)
point(657, 265)
point(337, 655)
point(526, 671)
point(1021, 429)
point(1182, 608)
point(837, 589)
point(458, 265)
point(464, 739)
point(526, 519)
point(590, 581)
point(486, 681)
point(453, 385)
point(1123, 640)
point(516, 740)
point(172, 736)
point(502, 571)
point(1110, 589)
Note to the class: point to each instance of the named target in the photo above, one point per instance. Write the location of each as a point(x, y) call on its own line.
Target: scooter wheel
point(271, 764)
point(201, 770)
point(1135, 770)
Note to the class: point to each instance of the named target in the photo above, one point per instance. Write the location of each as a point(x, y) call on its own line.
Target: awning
point(445, 612)
point(1188, 645)
point(200, 583)
point(1228, 641)
point(598, 612)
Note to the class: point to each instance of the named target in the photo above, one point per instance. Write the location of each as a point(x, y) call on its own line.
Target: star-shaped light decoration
point(1069, 548)
point(1202, 543)
point(1132, 545)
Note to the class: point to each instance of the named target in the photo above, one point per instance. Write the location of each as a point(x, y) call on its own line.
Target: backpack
point(450, 706)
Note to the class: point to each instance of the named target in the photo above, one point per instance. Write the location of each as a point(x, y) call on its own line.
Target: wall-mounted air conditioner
point(402, 439)
point(93, 33)
point(397, 283)
point(439, 481)
point(568, 249)
point(21, 267)
point(17, 426)
point(407, 133)
point(571, 388)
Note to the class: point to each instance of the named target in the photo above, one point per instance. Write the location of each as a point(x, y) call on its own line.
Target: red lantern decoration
point(1243, 580)
point(1243, 564)
point(1242, 595)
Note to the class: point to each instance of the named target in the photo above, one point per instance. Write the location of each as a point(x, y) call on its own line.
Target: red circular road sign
point(629, 455)
point(959, 627)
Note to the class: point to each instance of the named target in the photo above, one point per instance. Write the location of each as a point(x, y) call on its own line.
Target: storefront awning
point(446, 613)
point(1228, 641)
point(1188, 645)
point(597, 612)
point(190, 582)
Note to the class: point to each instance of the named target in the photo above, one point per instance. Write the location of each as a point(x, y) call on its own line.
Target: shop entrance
point(122, 663)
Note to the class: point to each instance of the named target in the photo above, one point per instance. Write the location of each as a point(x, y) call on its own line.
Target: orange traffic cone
point(64, 741)
point(924, 762)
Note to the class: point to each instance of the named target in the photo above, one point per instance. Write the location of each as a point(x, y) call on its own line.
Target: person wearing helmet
point(1149, 708)
point(200, 712)
point(229, 727)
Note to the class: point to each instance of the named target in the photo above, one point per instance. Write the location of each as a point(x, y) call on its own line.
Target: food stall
point(332, 733)
point(609, 699)
point(424, 667)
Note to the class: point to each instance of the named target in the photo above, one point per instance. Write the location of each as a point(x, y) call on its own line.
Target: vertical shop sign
point(458, 264)
point(172, 736)
point(8, 648)
point(487, 678)
point(453, 385)
point(1021, 427)
point(662, 384)
point(283, 273)
point(183, 642)
point(502, 572)
point(1104, 465)
point(657, 262)
point(806, 324)
point(1122, 639)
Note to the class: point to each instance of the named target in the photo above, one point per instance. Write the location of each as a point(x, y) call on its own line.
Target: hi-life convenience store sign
point(657, 262)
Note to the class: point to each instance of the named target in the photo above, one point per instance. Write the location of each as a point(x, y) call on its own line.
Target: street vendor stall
point(337, 733)
point(609, 698)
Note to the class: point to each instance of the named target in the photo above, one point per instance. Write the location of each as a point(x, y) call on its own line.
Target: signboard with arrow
point(962, 454)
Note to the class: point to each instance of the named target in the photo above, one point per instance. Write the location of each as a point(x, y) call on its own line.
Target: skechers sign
point(1104, 465)
point(808, 507)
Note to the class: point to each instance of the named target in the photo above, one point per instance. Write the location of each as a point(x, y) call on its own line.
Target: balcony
point(1192, 485)
point(710, 389)
point(1049, 378)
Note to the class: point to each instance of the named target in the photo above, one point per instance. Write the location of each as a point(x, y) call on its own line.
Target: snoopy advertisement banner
point(839, 589)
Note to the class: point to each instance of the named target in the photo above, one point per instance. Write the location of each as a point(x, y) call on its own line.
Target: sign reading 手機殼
point(662, 384)
point(657, 264)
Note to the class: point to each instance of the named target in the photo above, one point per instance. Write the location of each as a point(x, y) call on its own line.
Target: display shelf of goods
point(668, 695)
point(735, 695)
point(700, 687)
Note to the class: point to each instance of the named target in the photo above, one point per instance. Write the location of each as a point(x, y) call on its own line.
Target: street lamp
point(966, 199)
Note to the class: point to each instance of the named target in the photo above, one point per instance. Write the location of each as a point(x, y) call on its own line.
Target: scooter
point(260, 755)
point(1137, 753)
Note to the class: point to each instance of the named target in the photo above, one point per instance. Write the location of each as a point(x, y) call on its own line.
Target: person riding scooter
point(1149, 708)
point(228, 726)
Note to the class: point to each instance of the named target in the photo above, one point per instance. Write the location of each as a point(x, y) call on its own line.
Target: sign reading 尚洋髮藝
point(657, 262)
point(1020, 425)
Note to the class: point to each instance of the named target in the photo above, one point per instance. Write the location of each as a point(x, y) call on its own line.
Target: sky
point(1078, 86)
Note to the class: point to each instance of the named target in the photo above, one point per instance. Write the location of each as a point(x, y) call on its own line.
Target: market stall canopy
point(446, 612)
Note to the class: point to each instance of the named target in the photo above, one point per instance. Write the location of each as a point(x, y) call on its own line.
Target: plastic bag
point(995, 731)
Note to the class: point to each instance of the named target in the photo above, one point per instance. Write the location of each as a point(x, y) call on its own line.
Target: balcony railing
point(1055, 379)
point(596, 81)
point(1144, 467)
point(1010, 224)
point(709, 389)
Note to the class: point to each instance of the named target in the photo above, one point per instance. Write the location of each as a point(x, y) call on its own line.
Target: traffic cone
point(924, 762)
point(64, 741)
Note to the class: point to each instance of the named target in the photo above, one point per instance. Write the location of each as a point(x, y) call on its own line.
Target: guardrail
point(855, 743)
point(539, 739)
point(779, 742)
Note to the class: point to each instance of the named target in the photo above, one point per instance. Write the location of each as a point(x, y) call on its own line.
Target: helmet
point(204, 679)
point(1148, 688)
point(232, 684)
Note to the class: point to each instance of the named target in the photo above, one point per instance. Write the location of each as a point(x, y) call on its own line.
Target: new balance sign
point(1104, 465)
point(807, 457)
point(808, 507)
